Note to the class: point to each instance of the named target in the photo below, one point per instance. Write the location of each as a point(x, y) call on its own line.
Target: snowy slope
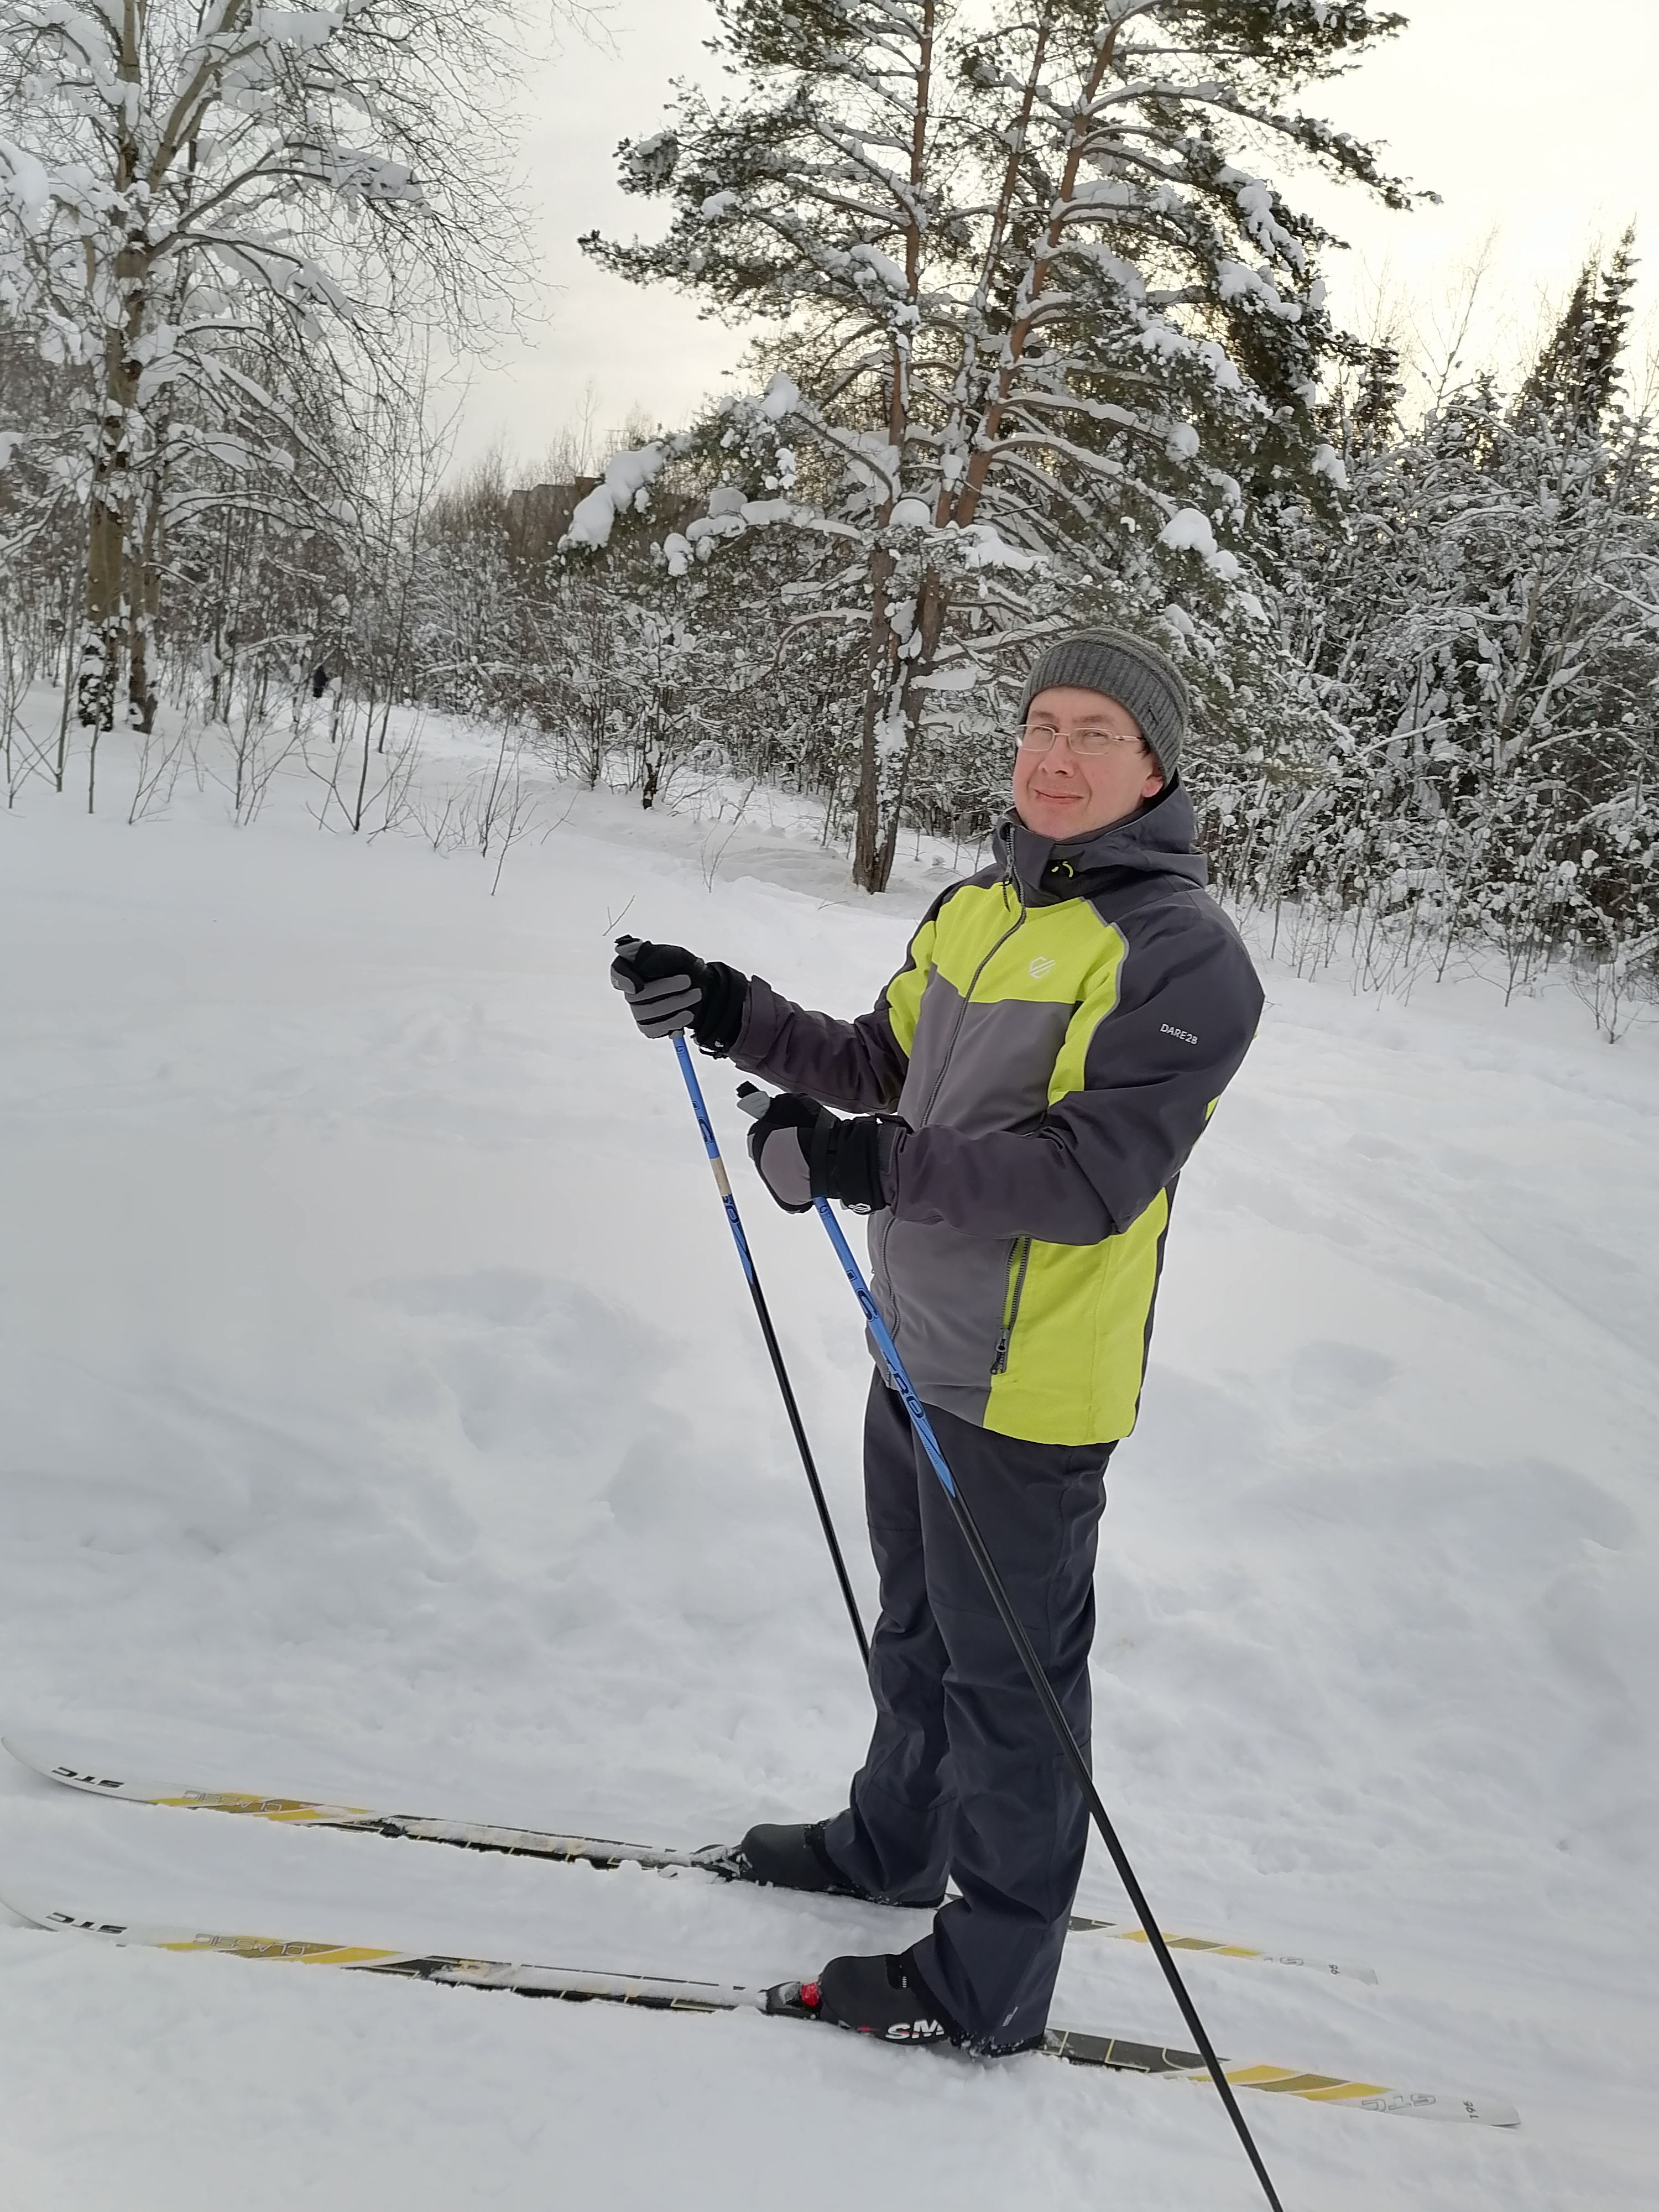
point(383, 1418)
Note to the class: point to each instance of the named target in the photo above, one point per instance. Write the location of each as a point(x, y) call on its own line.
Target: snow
point(27, 182)
point(1188, 531)
point(1254, 198)
point(881, 265)
point(626, 475)
point(1225, 375)
point(985, 547)
point(965, 676)
point(306, 28)
point(384, 1417)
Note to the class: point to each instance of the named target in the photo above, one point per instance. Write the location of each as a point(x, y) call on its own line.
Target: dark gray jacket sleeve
point(1189, 1001)
point(857, 1066)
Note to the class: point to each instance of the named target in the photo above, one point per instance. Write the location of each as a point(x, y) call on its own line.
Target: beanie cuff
point(1121, 667)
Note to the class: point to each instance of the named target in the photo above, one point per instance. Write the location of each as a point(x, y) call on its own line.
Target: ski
point(603, 1851)
point(666, 1993)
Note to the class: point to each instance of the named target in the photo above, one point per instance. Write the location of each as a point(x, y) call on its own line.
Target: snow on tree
point(1044, 336)
point(1487, 646)
point(203, 209)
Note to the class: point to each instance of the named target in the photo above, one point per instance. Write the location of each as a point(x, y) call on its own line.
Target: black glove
point(669, 989)
point(804, 1151)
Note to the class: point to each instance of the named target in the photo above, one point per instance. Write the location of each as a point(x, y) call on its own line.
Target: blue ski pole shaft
point(723, 1185)
point(1040, 1682)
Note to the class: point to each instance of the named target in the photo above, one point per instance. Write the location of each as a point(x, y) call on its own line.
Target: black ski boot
point(790, 1858)
point(793, 1857)
point(881, 1997)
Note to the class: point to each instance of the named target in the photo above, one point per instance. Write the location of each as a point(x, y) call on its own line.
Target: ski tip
point(55, 1768)
point(39, 1912)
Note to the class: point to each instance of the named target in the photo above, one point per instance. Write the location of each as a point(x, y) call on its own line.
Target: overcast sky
point(1535, 123)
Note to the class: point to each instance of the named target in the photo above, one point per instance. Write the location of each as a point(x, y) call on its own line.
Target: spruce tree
point(1485, 647)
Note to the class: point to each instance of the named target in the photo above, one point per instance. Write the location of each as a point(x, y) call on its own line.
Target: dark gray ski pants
point(963, 1777)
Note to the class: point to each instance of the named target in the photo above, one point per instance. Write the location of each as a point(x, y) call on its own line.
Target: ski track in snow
point(384, 1418)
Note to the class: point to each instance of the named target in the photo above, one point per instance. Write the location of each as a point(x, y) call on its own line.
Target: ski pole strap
point(723, 1184)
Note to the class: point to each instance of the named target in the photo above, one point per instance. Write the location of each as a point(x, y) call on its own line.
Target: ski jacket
point(1056, 1043)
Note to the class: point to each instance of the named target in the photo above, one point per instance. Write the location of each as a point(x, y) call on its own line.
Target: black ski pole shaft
point(785, 1390)
point(1044, 1689)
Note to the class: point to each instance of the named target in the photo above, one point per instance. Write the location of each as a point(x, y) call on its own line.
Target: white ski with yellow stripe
point(666, 1993)
point(604, 1851)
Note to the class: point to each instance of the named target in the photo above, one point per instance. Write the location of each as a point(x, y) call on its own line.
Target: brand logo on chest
point(1041, 966)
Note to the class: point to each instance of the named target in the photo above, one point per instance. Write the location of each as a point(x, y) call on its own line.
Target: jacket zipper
point(1000, 1364)
point(943, 1064)
point(961, 1010)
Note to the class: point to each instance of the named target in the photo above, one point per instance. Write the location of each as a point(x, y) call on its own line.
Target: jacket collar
point(1157, 840)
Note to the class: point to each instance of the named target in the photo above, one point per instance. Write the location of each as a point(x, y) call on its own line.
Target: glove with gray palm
point(669, 989)
point(805, 1151)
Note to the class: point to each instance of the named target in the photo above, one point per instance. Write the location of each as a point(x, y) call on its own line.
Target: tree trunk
point(100, 627)
point(110, 506)
point(869, 872)
point(144, 605)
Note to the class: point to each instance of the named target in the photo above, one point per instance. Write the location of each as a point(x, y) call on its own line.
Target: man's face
point(1061, 790)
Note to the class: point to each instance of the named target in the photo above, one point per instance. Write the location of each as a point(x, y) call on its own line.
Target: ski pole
point(711, 1147)
point(754, 1102)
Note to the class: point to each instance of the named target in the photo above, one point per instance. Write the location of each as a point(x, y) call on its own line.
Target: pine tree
point(1042, 342)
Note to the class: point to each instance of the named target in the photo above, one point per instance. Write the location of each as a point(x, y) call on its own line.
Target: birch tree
point(190, 189)
point(1036, 309)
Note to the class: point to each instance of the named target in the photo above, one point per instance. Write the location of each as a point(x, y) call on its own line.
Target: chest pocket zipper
point(1010, 1312)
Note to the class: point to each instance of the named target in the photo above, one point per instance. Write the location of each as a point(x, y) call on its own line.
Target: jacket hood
point(1155, 841)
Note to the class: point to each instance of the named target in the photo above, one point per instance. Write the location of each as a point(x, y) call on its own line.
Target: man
point(1024, 1096)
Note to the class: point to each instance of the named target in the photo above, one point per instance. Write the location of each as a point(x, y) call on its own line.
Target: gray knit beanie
point(1126, 668)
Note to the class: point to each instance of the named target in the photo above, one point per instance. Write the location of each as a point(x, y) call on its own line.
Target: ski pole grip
point(753, 1100)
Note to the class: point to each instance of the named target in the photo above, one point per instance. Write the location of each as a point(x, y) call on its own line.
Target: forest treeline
point(1044, 341)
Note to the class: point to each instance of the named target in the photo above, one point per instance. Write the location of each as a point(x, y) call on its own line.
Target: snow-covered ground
point(382, 1416)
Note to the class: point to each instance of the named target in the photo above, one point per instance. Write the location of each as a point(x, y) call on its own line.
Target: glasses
point(1088, 744)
